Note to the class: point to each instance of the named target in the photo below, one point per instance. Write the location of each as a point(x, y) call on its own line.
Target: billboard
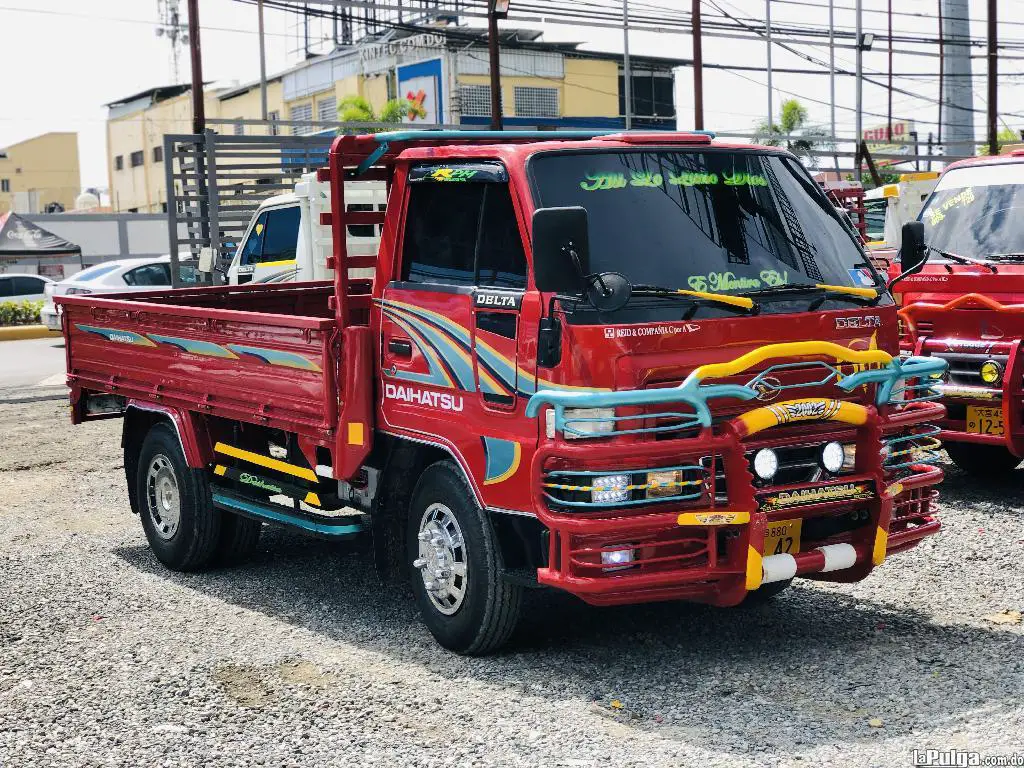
point(879, 142)
point(423, 84)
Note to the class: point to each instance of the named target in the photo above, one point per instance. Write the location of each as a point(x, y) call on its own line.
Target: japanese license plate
point(783, 537)
point(982, 420)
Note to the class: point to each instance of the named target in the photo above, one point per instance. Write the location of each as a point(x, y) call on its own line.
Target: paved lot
point(301, 659)
point(32, 362)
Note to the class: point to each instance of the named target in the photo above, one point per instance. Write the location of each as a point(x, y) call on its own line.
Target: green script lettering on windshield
point(602, 181)
point(720, 282)
point(963, 198)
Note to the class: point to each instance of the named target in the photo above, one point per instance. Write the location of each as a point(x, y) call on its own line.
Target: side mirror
point(561, 253)
point(206, 260)
point(912, 251)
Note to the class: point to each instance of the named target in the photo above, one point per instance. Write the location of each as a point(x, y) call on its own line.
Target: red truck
point(633, 367)
point(966, 306)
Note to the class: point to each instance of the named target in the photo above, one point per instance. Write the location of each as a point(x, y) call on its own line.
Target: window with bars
point(273, 117)
point(302, 113)
point(475, 100)
point(239, 127)
point(327, 110)
point(536, 102)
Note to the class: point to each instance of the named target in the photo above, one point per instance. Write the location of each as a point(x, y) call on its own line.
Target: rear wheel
point(982, 460)
point(174, 502)
point(239, 537)
point(456, 569)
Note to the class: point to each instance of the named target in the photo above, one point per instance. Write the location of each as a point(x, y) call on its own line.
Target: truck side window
point(254, 245)
point(502, 261)
point(441, 233)
point(282, 236)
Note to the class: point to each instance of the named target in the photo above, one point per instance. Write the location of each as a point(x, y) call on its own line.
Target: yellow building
point(136, 127)
point(40, 175)
point(445, 70)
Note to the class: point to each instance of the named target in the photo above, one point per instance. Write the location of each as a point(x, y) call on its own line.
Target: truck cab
point(286, 242)
point(966, 306)
point(629, 366)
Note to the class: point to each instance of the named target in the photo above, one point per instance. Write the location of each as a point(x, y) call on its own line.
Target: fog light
point(610, 489)
point(991, 372)
point(832, 456)
point(766, 463)
point(664, 484)
point(617, 559)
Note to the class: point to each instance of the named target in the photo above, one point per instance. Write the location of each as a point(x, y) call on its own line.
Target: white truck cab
point(286, 242)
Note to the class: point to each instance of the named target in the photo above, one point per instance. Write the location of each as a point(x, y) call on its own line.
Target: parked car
point(121, 276)
point(23, 287)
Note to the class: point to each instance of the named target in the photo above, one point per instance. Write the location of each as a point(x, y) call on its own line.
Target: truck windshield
point(977, 212)
point(719, 221)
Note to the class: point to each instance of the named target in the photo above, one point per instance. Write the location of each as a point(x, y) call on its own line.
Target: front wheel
point(988, 461)
point(456, 573)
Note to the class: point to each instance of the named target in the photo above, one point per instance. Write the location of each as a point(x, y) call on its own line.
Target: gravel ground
point(301, 659)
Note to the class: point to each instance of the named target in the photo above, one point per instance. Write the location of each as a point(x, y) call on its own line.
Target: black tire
point(239, 537)
point(766, 592)
point(990, 461)
point(190, 542)
point(487, 614)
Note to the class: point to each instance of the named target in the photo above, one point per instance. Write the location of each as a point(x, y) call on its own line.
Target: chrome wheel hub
point(163, 501)
point(442, 559)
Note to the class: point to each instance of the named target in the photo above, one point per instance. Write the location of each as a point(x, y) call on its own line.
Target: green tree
point(1006, 135)
point(794, 133)
point(356, 109)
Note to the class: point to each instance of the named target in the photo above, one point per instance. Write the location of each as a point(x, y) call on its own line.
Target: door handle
point(400, 347)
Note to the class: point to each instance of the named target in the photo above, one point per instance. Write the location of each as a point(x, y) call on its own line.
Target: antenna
point(175, 29)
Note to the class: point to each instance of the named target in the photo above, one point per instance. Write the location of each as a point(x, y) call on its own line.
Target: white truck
point(286, 242)
point(890, 206)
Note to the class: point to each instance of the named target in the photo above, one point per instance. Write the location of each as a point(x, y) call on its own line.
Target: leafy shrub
point(20, 312)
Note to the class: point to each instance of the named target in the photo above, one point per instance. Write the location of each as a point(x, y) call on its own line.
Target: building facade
point(444, 70)
point(40, 175)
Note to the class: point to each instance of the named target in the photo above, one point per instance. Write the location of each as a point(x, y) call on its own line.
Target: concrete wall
point(40, 171)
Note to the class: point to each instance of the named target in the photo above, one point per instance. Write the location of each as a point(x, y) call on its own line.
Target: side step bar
point(332, 527)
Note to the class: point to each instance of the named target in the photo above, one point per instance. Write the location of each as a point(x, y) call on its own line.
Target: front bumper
point(710, 548)
point(51, 317)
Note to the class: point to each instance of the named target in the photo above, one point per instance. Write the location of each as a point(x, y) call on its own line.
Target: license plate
point(982, 420)
point(782, 537)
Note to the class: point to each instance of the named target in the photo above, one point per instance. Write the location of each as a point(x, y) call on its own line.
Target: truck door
point(451, 318)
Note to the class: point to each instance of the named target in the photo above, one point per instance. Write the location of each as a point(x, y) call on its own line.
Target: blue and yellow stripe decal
point(117, 335)
point(503, 459)
point(195, 346)
point(276, 357)
point(205, 348)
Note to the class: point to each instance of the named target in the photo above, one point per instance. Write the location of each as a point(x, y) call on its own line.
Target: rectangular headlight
point(592, 422)
point(609, 489)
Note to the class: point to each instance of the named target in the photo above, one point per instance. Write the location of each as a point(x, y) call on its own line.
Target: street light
point(867, 39)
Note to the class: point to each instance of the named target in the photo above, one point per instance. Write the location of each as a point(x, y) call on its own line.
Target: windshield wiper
point(959, 259)
point(866, 296)
point(743, 303)
point(1007, 257)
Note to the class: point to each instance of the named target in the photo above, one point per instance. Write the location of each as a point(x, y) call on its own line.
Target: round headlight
point(766, 463)
point(832, 456)
point(991, 372)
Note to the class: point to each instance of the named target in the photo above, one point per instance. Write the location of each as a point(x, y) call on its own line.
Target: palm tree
point(800, 138)
point(356, 109)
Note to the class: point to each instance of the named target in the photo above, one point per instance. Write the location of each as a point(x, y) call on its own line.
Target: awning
point(20, 238)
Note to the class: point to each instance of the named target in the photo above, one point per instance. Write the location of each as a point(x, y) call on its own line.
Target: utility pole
point(198, 103)
point(768, 37)
point(498, 10)
point(860, 86)
point(627, 70)
point(993, 84)
point(832, 75)
point(942, 88)
point(889, 136)
point(263, 61)
point(698, 69)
